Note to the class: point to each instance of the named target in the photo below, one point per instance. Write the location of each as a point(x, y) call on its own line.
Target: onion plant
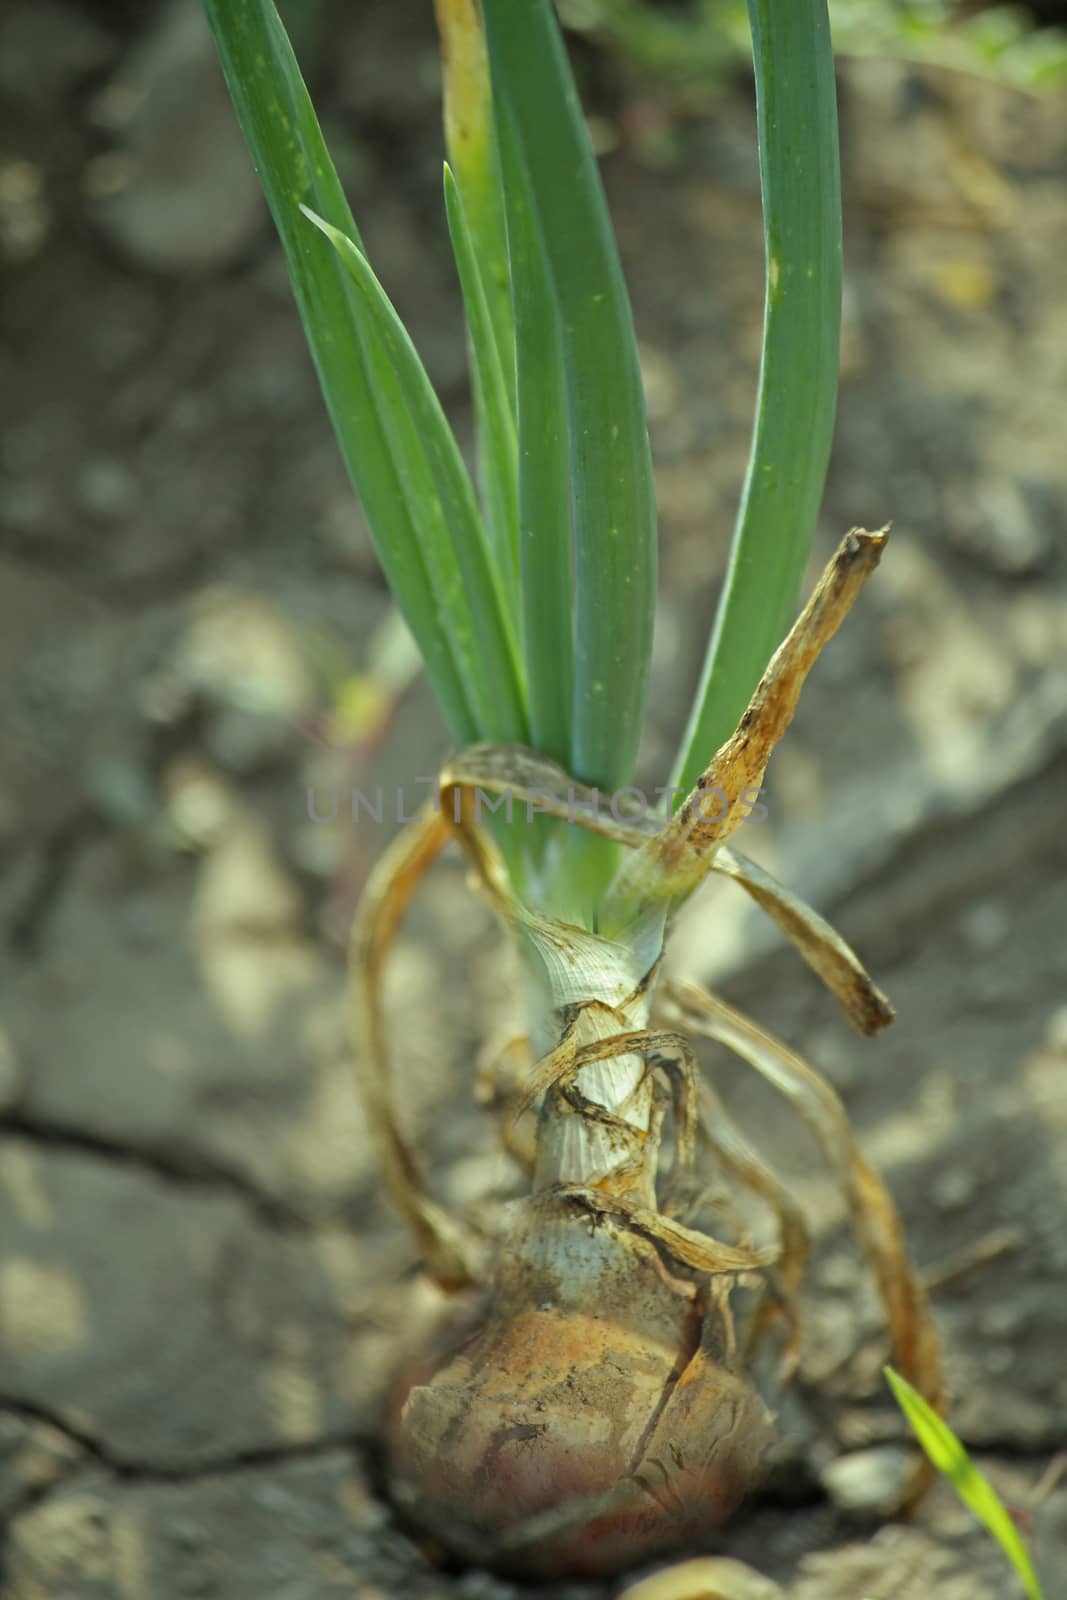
point(597, 1399)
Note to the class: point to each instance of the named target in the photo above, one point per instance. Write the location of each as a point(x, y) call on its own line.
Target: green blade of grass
point(368, 404)
point(800, 178)
point(496, 418)
point(949, 1457)
point(463, 572)
point(612, 503)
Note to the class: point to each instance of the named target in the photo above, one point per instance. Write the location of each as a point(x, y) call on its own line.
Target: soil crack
point(182, 1167)
point(139, 1471)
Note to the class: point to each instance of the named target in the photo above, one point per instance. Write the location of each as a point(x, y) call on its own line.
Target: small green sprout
point(947, 1454)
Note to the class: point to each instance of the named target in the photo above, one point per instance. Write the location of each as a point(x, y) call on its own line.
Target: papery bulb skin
point(588, 1422)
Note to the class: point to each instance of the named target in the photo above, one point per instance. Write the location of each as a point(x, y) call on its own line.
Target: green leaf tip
point(335, 236)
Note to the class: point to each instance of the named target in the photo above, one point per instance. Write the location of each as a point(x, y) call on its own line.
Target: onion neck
point(601, 1128)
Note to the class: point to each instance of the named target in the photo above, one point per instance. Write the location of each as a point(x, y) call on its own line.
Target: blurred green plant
point(948, 1455)
point(707, 39)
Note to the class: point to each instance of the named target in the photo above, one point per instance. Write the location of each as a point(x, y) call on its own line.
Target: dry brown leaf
point(826, 953)
point(685, 1246)
point(450, 1251)
point(678, 857)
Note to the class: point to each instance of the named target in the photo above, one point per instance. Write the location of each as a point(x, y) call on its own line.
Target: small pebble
point(953, 1189)
point(106, 489)
point(999, 1359)
point(120, 792)
point(986, 925)
point(1002, 1320)
point(838, 1271)
point(188, 1535)
point(199, 803)
point(867, 1483)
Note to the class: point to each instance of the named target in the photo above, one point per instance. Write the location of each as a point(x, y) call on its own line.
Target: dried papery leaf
point(721, 1135)
point(871, 1209)
point(681, 1246)
point(599, 1122)
point(675, 861)
point(552, 1068)
point(541, 787)
point(826, 953)
point(633, 1146)
point(451, 1253)
point(706, 1578)
point(567, 1058)
point(457, 806)
point(671, 1052)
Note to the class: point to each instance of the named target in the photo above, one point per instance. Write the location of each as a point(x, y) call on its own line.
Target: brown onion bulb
point(589, 1421)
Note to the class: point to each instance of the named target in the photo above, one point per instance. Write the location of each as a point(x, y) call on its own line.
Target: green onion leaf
point(800, 176)
point(434, 474)
point(425, 539)
point(471, 146)
point(496, 417)
point(544, 467)
point(612, 505)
